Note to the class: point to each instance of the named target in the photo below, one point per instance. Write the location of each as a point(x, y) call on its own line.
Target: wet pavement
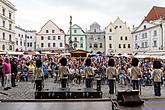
point(148, 105)
point(25, 90)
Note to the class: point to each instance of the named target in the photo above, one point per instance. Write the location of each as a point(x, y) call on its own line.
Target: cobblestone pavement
point(25, 90)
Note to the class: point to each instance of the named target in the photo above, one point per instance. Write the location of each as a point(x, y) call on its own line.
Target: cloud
point(34, 13)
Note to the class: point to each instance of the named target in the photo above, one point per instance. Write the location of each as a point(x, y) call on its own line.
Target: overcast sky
point(33, 14)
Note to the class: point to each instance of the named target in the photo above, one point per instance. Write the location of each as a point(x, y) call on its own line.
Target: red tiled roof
point(155, 13)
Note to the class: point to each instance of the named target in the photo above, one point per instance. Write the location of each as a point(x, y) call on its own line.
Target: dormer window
point(144, 26)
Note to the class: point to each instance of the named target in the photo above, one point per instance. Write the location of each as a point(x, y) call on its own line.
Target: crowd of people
point(111, 70)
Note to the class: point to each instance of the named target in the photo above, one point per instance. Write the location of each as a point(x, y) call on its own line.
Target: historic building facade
point(149, 36)
point(50, 37)
point(77, 37)
point(25, 40)
point(118, 38)
point(95, 39)
point(7, 26)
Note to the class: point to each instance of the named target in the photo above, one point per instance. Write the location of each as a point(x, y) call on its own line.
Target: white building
point(7, 26)
point(50, 37)
point(118, 38)
point(149, 36)
point(25, 40)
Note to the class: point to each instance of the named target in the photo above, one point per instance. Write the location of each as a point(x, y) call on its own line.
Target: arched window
point(3, 47)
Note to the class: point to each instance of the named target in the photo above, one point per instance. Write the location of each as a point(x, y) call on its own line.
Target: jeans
point(157, 88)
point(7, 80)
point(111, 86)
point(135, 84)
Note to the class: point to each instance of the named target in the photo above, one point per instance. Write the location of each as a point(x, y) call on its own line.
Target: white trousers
point(7, 80)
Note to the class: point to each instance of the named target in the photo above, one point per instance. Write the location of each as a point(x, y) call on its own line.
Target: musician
point(135, 74)
point(63, 73)
point(63, 70)
point(157, 77)
point(88, 73)
point(111, 74)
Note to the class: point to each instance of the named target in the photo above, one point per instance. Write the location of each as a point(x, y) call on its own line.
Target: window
point(136, 37)
point(3, 47)
point(94, 30)
point(119, 45)
point(30, 37)
point(47, 31)
point(54, 44)
point(155, 33)
point(10, 48)
point(101, 46)
point(48, 37)
point(60, 44)
point(110, 37)
point(142, 44)
point(54, 37)
point(10, 37)
point(116, 27)
point(98, 37)
point(17, 42)
point(136, 46)
point(28, 44)
point(145, 35)
point(3, 36)
point(19, 35)
point(3, 23)
point(146, 44)
point(10, 27)
point(24, 43)
point(81, 38)
point(75, 38)
point(42, 44)
point(42, 37)
point(49, 44)
point(3, 12)
point(125, 37)
point(129, 46)
point(110, 46)
point(81, 45)
point(75, 31)
point(90, 45)
point(92, 37)
point(21, 43)
point(120, 26)
point(95, 46)
point(31, 44)
point(124, 46)
point(53, 31)
point(155, 43)
point(10, 15)
point(22, 36)
point(110, 30)
point(59, 37)
point(144, 26)
point(121, 38)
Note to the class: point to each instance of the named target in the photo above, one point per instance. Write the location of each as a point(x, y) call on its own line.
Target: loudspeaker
point(129, 98)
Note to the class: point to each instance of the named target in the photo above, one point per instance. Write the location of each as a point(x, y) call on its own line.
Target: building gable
point(144, 25)
point(50, 25)
point(76, 30)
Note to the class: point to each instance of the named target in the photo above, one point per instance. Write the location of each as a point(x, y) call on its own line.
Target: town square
point(86, 55)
